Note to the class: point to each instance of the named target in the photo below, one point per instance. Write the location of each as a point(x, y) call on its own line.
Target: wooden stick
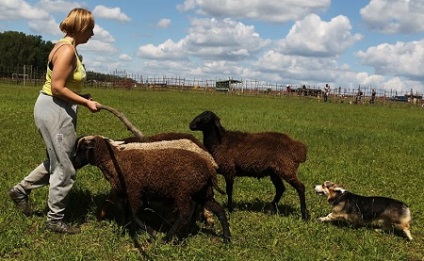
point(124, 119)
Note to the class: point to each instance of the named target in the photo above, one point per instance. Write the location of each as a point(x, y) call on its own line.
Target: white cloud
point(38, 19)
point(115, 13)
point(98, 46)
point(310, 52)
point(18, 9)
point(101, 34)
point(365, 79)
point(271, 10)
point(400, 59)
point(49, 26)
point(210, 39)
point(164, 23)
point(105, 65)
point(61, 6)
point(394, 16)
point(125, 57)
point(187, 5)
point(314, 37)
point(396, 84)
point(223, 39)
point(298, 68)
point(168, 50)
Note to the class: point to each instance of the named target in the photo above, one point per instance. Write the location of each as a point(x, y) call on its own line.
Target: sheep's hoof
point(272, 208)
point(227, 240)
point(306, 216)
point(167, 240)
point(152, 234)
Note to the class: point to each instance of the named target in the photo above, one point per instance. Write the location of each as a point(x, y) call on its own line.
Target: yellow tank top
point(74, 81)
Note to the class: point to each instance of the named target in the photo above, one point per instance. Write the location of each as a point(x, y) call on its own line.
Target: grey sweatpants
point(56, 122)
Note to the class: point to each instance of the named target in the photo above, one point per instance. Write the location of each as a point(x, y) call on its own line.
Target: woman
point(55, 114)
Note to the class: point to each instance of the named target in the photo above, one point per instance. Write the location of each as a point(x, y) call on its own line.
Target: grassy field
point(373, 150)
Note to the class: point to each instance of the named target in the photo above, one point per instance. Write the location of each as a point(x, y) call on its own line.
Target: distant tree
point(17, 48)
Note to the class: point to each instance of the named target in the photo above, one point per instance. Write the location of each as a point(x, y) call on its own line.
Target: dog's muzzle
point(319, 190)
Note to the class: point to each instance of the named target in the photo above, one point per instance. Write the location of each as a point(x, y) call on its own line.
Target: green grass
point(373, 150)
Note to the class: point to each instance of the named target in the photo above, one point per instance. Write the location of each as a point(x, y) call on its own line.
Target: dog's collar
point(336, 200)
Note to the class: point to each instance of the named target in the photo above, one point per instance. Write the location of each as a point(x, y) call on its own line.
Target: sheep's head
point(209, 124)
point(84, 151)
point(205, 121)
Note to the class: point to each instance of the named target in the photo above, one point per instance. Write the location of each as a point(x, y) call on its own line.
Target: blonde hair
point(78, 20)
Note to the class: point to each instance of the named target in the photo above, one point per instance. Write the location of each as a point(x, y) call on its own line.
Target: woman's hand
point(92, 105)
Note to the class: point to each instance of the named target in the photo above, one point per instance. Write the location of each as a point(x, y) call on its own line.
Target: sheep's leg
point(145, 227)
point(219, 211)
point(300, 188)
point(113, 200)
point(279, 191)
point(204, 214)
point(125, 211)
point(184, 215)
point(134, 209)
point(229, 183)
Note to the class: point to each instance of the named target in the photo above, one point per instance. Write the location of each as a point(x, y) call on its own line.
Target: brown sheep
point(178, 175)
point(158, 141)
point(254, 155)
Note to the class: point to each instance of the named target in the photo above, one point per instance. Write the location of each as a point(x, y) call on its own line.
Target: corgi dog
point(385, 212)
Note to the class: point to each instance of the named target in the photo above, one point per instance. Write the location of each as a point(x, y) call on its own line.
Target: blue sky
point(377, 43)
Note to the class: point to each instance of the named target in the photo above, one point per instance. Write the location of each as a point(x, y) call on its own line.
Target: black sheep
point(254, 155)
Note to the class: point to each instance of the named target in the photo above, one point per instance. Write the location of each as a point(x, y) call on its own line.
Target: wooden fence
point(27, 75)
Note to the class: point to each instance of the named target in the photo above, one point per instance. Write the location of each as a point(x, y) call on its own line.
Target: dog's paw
point(322, 219)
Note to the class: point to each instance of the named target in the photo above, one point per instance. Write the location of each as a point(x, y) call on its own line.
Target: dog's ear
point(328, 184)
point(339, 189)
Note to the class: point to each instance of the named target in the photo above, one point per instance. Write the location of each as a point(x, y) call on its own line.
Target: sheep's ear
point(87, 141)
point(80, 142)
point(217, 123)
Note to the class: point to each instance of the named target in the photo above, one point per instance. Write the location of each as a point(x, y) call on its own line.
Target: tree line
point(18, 49)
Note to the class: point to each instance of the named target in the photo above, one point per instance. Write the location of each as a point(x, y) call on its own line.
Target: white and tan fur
point(183, 144)
point(385, 212)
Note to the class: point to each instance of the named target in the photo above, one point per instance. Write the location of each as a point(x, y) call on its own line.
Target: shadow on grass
point(78, 208)
point(263, 207)
point(159, 215)
point(377, 229)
